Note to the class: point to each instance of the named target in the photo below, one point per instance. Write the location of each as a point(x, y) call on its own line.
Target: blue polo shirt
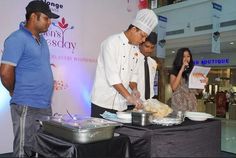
point(33, 74)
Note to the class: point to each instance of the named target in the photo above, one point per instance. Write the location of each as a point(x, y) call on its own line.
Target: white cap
point(146, 20)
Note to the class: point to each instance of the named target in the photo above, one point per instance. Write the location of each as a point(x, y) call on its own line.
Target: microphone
point(186, 67)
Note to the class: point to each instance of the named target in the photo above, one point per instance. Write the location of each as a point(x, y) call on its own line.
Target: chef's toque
point(146, 20)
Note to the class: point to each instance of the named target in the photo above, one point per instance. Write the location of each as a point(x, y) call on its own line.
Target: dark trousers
point(97, 110)
point(25, 125)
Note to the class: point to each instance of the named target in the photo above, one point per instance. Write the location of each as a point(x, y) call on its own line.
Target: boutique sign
point(220, 61)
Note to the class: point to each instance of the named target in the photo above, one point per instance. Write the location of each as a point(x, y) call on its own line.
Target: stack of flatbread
point(157, 108)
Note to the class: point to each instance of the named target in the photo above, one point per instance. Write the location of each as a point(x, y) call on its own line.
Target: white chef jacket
point(117, 63)
point(152, 64)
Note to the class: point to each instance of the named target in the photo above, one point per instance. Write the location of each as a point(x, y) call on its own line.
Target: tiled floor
point(228, 135)
point(227, 155)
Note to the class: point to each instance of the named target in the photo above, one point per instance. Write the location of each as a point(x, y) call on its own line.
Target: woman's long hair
point(178, 62)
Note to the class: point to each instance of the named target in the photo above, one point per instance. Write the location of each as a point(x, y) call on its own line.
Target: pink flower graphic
point(63, 24)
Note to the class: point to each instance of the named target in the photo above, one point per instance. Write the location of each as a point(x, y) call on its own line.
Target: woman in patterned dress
point(183, 98)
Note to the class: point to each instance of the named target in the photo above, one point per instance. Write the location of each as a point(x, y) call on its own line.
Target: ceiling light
point(231, 43)
point(172, 51)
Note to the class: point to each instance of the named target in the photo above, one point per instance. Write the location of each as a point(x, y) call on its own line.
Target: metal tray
point(80, 131)
point(166, 121)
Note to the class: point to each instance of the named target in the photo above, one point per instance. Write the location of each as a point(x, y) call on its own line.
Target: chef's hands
point(135, 93)
point(135, 101)
point(133, 98)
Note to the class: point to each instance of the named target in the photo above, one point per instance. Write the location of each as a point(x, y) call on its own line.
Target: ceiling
point(202, 43)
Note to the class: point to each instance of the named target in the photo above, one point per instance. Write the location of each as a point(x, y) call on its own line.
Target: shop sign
point(224, 61)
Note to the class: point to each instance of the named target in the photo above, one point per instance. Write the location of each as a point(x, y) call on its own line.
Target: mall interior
point(208, 29)
point(195, 24)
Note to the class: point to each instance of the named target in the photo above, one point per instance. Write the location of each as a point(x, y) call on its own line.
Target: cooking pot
point(141, 118)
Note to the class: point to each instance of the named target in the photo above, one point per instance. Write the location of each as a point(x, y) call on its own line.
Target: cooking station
point(188, 139)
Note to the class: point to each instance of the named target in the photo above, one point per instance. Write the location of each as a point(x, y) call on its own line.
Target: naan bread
point(157, 108)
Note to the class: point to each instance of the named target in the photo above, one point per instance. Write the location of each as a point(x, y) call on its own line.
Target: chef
point(117, 67)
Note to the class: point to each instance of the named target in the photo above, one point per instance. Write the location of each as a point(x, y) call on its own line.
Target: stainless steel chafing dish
point(79, 130)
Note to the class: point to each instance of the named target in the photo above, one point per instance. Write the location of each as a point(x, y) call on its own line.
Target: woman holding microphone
point(183, 98)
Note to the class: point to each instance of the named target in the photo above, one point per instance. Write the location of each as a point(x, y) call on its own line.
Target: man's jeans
point(25, 125)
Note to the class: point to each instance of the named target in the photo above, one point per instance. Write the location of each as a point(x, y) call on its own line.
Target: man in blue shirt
point(26, 73)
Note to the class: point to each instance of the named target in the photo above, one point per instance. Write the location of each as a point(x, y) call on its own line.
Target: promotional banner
point(161, 33)
point(74, 41)
point(216, 11)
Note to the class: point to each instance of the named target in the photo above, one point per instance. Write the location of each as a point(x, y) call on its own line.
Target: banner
point(216, 11)
point(161, 33)
point(74, 41)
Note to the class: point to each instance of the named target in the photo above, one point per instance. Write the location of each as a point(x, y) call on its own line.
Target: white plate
point(198, 116)
point(124, 115)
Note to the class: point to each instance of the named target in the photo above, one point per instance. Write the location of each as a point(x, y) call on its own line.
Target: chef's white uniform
point(117, 63)
point(152, 65)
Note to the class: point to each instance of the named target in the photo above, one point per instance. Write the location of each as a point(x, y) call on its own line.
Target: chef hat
point(146, 20)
